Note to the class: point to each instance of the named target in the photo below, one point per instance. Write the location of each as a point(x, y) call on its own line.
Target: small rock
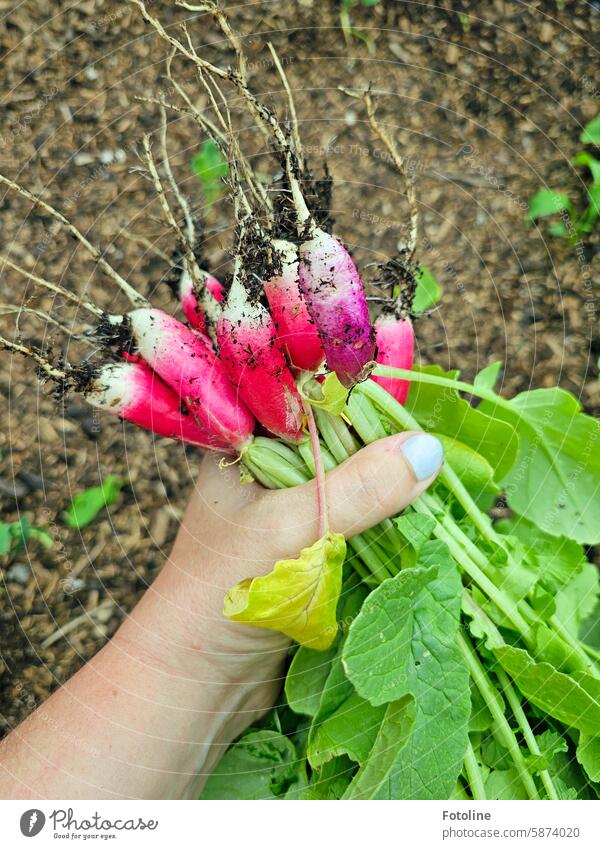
point(73, 585)
point(546, 32)
point(452, 54)
point(13, 488)
point(90, 73)
point(19, 573)
point(106, 157)
point(83, 159)
point(31, 481)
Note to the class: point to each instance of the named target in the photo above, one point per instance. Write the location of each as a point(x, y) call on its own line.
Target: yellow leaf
point(298, 598)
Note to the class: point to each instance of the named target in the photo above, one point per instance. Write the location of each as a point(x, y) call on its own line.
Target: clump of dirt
point(486, 102)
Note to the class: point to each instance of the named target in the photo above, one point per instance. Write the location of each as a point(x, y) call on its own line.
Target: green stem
point(473, 772)
point(458, 385)
point(528, 735)
point(572, 642)
point(500, 599)
point(502, 729)
point(378, 569)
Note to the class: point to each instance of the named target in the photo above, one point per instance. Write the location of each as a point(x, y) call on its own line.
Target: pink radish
point(334, 295)
point(395, 347)
point(295, 328)
point(134, 393)
point(191, 304)
point(252, 355)
point(185, 360)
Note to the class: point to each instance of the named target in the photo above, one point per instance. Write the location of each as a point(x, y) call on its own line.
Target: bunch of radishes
point(295, 309)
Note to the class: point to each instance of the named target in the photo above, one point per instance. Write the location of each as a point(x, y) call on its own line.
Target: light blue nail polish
point(424, 453)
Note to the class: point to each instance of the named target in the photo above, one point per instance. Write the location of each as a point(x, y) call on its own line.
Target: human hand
point(232, 531)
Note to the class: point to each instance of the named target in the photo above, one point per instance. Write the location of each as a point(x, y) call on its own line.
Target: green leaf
point(5, 538)
point(86, 505)
point(591, 132)
point(588, 755)
point(334, 395)
point(261, 765)
point(577, 600)
point(558, 229)
point(396, 727)
point(587, 220)
point(331, 780)
point(416, 528)
point(573, 699)
point(504, 784)
point(557, 559)
point(403, 642)
point(554, 481)
point(350, 730)
point(210, 168)
point(586, 159)
point(442, 410)
point(488, 376)
point(298, 598)
point(547, 202)
point(428, 291)
point(306, 678)
point(474, 471)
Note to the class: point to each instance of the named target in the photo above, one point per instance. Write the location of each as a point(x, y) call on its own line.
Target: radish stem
point(323, 518)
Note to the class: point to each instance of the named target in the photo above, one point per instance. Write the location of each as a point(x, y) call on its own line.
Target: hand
point(150, 714)
point(232, 531)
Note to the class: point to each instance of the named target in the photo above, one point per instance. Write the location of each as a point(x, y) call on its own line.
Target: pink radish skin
point(134, 393)
point(335, 298)
point(190, 304)
point(184, 359)
point(295, 328)
point(396, 348)
point(256, 366)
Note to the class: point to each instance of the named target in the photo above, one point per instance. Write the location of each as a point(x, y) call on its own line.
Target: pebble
point(91, 73)
point(19, 573)
point(13, 488)
point(83, 159)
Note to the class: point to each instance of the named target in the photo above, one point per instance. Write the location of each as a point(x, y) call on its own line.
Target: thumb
point(375, 483)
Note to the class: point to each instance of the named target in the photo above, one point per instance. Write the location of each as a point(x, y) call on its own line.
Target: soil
point(486, 102)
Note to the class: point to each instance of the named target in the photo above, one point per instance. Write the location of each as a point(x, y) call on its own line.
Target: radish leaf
point(441, 410)
point(573, 699)
point(334, 395)
point(395, 729)
point(306, 678)
point(588, 755)
point(554, 481)
point(298, 598)
point(261, 765)
point(428, 291)
point(403, 643)
point(350, 730)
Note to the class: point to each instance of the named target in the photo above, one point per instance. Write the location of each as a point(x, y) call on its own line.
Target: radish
point(295, 328)
point(255, 363)
point(395, 347)
point(334, 293)
point(192, 303)
point(186, 361)
point(134, 393)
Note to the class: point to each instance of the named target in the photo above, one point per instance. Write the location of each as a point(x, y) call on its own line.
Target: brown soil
point(486, 102)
